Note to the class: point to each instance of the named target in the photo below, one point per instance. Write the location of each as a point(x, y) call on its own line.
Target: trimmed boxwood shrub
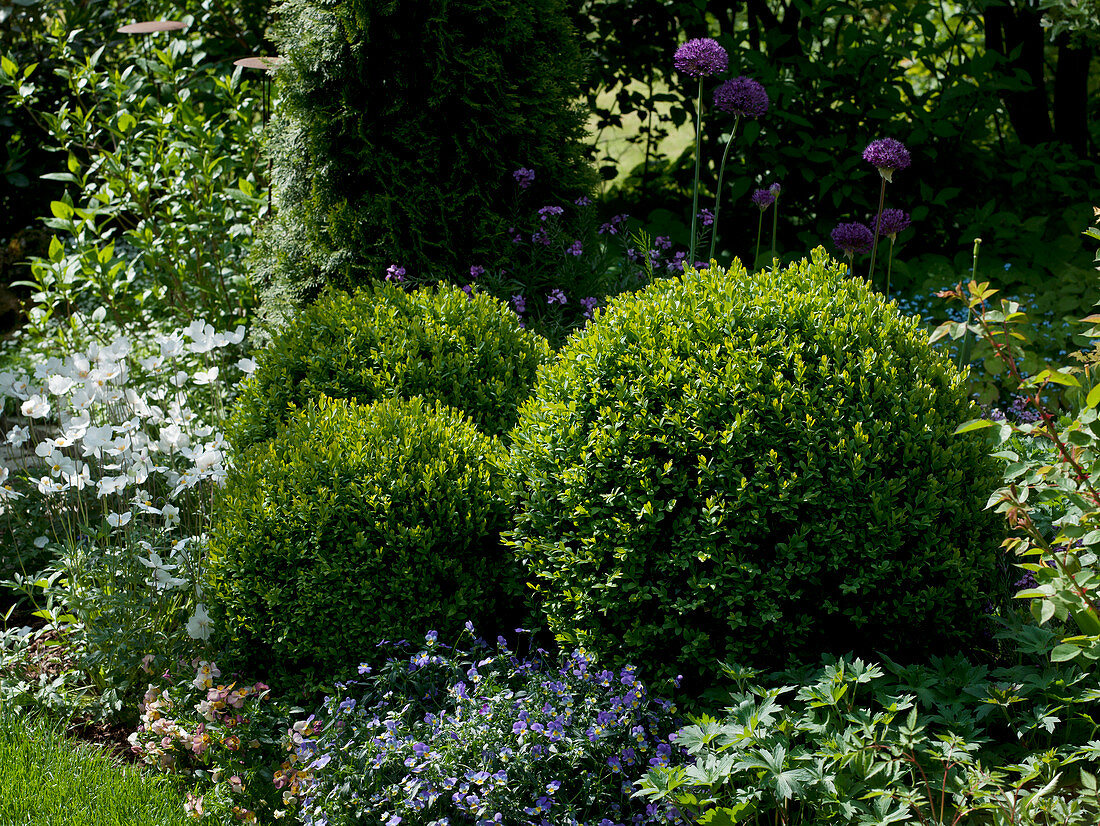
point(399, 128)
point(469, 352)
point(754, 468)
point(355, 524)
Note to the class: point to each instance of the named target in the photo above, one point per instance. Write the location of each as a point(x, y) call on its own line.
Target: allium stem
point(759, 232)
point(775, 226)
point(718, 192)
point(878, 224)
point(889, 265)
point(698, 158)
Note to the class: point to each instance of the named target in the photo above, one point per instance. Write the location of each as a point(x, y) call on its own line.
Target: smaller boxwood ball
point(469, 352)
point(354, 524)
point(755, 469)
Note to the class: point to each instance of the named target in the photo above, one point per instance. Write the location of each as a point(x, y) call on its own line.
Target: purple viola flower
point(700, 57)
point(886, 155)
point(519, 304)
point(892, 222)
point(763, 198)
point(469, 290)
point(548, 211)
point(707, 217)
point(556, 296)
point(576, 249)
point(662, 242)
point(524, 177)
point(741, 96)
point(852, 238)
point(589, 305)
point(476, 270)
point(395, 273)
point(583, 201)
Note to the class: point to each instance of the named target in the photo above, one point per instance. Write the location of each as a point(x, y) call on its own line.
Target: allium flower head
point(886, 155)
point(775, 189)
point(741, 96)
point(701, 57)
point(853, 238)
point(763, 198)
point(892, 222)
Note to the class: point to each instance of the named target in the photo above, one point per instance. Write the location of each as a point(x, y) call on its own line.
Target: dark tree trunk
point(1071, 96)
point(1008, 28)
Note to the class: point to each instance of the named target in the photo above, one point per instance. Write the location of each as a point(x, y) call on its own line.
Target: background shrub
point(468, 352)
point(356, 523)
point(400, 128)
point(756, 468)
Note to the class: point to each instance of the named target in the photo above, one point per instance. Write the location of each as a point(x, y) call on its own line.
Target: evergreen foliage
point(400, 126)
point(754, 469)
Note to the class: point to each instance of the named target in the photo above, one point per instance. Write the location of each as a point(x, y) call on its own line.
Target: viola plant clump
point(121, 447)
point(480, 734)
point(223, 736)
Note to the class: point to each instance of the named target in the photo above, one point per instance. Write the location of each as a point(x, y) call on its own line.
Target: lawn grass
point(47, 779)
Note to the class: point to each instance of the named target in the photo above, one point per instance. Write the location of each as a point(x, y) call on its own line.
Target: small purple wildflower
point(700, 57)
point(707, 217)
point(547, 211)
point(677, 262)
point(524, 177)
point(662, 242)
point(583, 201)
point(763, 198)
point(515, 235)
point(476, 270)
point(469, 290)
point(741, 96)
point(589, 305)
point(576, 248)
point(540, 237)
point(886, 155)
point(519, 304)
point(395, 273)
point(556, 296)
point(852, 238)
point(892, 222)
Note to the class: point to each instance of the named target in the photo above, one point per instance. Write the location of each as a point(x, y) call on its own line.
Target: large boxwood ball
point(353, 525)
point(469, 352)
point(754, 468)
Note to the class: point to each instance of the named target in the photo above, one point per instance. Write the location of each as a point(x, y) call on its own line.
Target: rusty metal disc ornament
point(151, 26)
point(259, 62)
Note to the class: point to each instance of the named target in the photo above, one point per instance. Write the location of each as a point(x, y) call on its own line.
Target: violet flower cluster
point(887, 155)
point(700, 57)
point(853, 238)
point(483, 736)
point(741, 96)
point(892, 222)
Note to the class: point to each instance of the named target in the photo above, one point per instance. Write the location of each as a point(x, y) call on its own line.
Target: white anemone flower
point(199, 626)
point(60, 385)
point(36, 407)
point(80, 476)
point(171, 515)
point(18, 436)
point(246, 366)
point(204, 377)
point(119, 520)
point(48, 487)
point(111, 484)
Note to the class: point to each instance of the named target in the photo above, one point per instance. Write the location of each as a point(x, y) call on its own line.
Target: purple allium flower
point(524, 177)
point(700, 57)
point(763, 198)
point(886, 155)
point(589, 305)
point(476, 270)
point(395, 273)
point(775, 189)
point(892, 222)
point(556, 296)
point(741, 96)
point(547, 211)
point(576, 249)
point(519, 304)
point(707, 217)
point(853, 238)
